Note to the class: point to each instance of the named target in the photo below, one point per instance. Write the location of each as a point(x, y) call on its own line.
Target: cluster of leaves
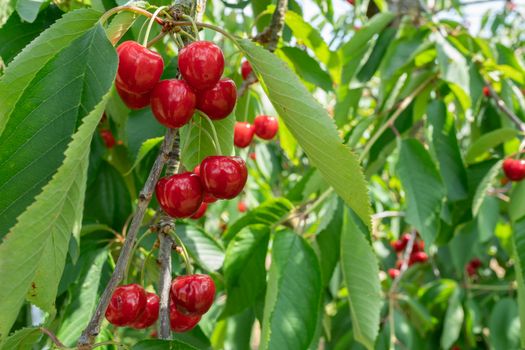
point(301, 269)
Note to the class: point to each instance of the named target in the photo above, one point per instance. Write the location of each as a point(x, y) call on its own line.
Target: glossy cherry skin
point(132, 100)
point(243, 134)
point(126, 304)
point(139, 69)
point(193, 294)
point(150, 314)
point(393, 273)
point(201, 211)
point(241, 206)
point(208, 198)
point(181, 323)
point(246, 69)
point(266, 127)
point(173, 103)
point(201, 64)
point(219, 101)
point(514, 169)
point(180, 195)
point(107, 137)
point(224, 177)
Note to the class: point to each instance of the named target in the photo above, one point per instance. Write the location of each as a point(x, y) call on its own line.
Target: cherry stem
point(133, 250)
point(215, 137)
point(209, 26)
point(185, 256)
point(194, 25)
point(150, 24)
point(156, 39)
point(185, 33)
point(128, 8)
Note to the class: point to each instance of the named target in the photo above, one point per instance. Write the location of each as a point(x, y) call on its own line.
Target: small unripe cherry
point(193, 294)
point(222, 176)
point(150, 314)
point(180, 195)
point(201, 64)
point(126, 304)
point(201, 211)
point(219, 101)
point(173, 103)
point(266, 127)
point(181, 323)
point(243, 134)
point(132, 100)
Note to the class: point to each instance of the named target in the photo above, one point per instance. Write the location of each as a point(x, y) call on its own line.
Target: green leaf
point(268, 213)
point(244, 268)
point(119, 26)
point(307, 67)
point(423, 187)
point(453, 320)
point(202, 247)
point(517, 202)
point(293, 294)
point(84, 298)
point(23, 339)
point(28, 9)
point(315, 131)
point(153, 344)
point(483, 186)
point(488, 141)
point(41, 113)
point(504, 325)
point(200, 144)
point(378, 53)
point(518, 243)
point(361, 277)
point(6, 9)
point(146, 147)
point(328, 240)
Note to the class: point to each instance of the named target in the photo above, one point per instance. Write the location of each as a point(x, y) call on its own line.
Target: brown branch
point(93, 329)
point(53, 338)
point(503, 107)
point(271, 34)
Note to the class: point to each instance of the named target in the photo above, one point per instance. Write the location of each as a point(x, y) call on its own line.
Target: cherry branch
point(93, 329)
point(503, 107)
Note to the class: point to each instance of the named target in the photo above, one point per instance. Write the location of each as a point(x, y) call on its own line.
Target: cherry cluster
point(514, 169)
point(174, 101)
point(473, 266)
point(264, 126)
point(190, 297)
point(188, 194)
point(417, 255)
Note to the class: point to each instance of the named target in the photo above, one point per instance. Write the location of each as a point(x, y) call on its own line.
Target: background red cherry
point(150, 314)
point(418, 257)
point(486, 91)
point(181, 323)
point(514, 169)
point(193, 294)
point(219, 101)
point(180, 195)
point(241, 206)
point(132, 100)
point(243, 134)
point(266, 127)
point(126, 304)
point(201, 64)
point(222, 176)
point(246, 69)
point(139, 68)
point(393, 273)
point(173, 103)
point(107, 137)
point(201, 211)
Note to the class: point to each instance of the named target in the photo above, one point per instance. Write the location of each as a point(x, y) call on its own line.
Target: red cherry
point(139, 68)
point(241, 206)
point(486, 91)
point(197, 169)
point(173, 103)
point(201, 64)
point(252, 156)
point(514, 169)
point(201, 211)
point(219, 101)
point(181, 323)
point(418, 257)
point(150, 313)
point(209, 198)
point(405, 238)
point(246, 69)
point(266, 127)
point(180, 195)
point(393, 273)
point(471, 271)
point(419, 246)
point(398, 245)
point(222, 176)
point(126, 304)
point(108, 138)
point(351, 2)
point(132, 100)
point(243, 134)
point(193, 294)
point(475, 263)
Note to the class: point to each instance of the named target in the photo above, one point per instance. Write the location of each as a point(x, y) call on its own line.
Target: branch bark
point(271, 34)
point(92, 330)
point(503, 107)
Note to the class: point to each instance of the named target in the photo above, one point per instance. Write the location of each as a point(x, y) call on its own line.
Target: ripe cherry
point(150, 314)
point(266, 127)
point(486, 91)
point(173, 103)
point(418, 257)
point(201, 64)
point(393, 273)
point(181, 323)
point(351, 2)
point(222, 176)
point(132, 100)
point(246, 69)
point(208, 198)
point(139, 68)
point(107, 137)
point(243, 134)
point(398, 245)
point(180, 195)
point(201, 211)
point(193, 294)
point(475, 263)
point(126, 304)
point(252, 156)
point(241, 206)
point(514, 169)
point(219, 101)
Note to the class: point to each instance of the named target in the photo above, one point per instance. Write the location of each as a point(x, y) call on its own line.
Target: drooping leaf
point(453, 320)
point(504, 325)
point(289, 321)
point(23, 339)
point(307, 67)
point(488, 141)
point(146, 147)
point(28, 9)
point(310, 124)
point(423, 187)
point(119, 26)
point(202, 247)
point(483, 186)
point(361, 277)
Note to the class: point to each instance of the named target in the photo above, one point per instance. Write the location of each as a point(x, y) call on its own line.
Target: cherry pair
point(514, 169)
point(186, 194)
point(132, 306)
point(263, 126)
point(190, 297)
